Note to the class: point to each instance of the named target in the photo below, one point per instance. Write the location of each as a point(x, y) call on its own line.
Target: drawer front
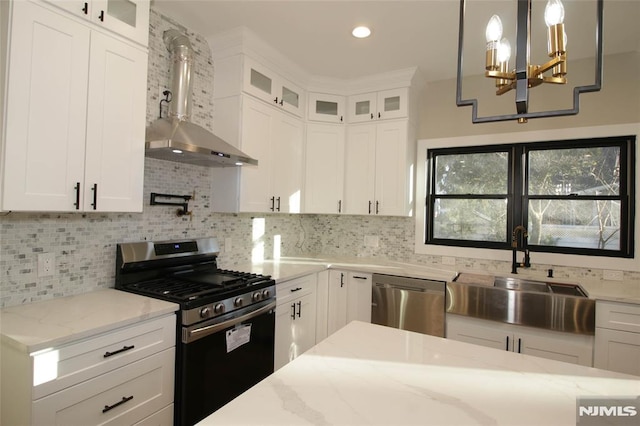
point(294, 289)
point(122, 396)
point(68, 365)
point(618, 316)
point(163, 417)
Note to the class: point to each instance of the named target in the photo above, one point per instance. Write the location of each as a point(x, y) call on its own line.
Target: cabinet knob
point(101, 16)
point(85, 9)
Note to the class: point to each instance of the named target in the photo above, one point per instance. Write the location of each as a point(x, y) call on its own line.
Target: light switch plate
point(371, 241)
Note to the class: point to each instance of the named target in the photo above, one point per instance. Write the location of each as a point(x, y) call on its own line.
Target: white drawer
point(135, 392)
point(618, 316)
point(163, 417)
point(68, 365)
point(296, 288)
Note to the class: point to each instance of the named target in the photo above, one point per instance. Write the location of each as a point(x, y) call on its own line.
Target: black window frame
point(518, 197)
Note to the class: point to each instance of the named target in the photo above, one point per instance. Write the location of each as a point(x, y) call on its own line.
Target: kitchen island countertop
point(373, 375)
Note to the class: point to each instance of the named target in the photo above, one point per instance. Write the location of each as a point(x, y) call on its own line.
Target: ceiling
point(423, 33)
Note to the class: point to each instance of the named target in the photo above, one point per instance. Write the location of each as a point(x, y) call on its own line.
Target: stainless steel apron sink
point(551, 306)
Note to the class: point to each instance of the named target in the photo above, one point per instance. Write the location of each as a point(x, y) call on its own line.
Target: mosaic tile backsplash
point(83, 245)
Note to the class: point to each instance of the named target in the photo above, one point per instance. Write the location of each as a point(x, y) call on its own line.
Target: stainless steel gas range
point(226, 321)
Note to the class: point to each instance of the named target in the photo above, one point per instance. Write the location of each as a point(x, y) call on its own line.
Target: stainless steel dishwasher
point(413, 304)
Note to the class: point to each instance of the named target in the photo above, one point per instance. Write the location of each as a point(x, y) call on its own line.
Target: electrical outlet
point(46, 263)
point(371, 241)
point(612, 275)
point(448, 260)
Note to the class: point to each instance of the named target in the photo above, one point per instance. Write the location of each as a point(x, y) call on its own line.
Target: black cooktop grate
point(200, 285)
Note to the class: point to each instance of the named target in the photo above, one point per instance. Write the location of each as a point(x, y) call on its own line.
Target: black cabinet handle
point(369, 207)
point(339, 206)
point(124, 349)
point(507, 348)
point(296, 289)
point(122, 401)
point(299, 308)
point(341, 279)
point(278, 208)
point(85, 9)
point(519, 345)
point(77, 203)
point(372, 116)
point(377, 207)
point(273, 203)
point(95, 196)
point(341, 119)
point(359, 277)
point(379, 115)
point(101, 16)
point(275, 100)
point(293, 311)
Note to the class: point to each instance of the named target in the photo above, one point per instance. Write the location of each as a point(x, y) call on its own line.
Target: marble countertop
point(54, 322)
point(372, 375)
point(289, 268)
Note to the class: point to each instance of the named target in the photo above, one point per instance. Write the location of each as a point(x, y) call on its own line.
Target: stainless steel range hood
point(175, 138)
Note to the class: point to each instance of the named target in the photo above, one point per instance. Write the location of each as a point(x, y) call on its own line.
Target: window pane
point(290, 97)
point(482, 173)
point(260, 81)
point(362, 107)
point(581, 171)
point(477, 220)
point(575, 223)
point(327, 108)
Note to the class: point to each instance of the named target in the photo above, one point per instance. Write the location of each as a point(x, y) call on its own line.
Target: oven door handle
point(198, 333)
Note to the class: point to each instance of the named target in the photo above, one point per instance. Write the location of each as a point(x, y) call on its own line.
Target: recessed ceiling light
point(361, 32)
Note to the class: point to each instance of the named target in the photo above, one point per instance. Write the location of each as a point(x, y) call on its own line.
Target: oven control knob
point(205, 312)
point(266, 294)
point(218, 308)
point(238, 302)
point(256, 296)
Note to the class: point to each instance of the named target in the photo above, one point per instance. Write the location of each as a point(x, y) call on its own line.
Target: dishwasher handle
point(408, 283)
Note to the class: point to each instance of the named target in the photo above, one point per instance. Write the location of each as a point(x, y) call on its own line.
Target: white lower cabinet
point(123, 376)
point(349, 299)
point(567, 347)
point(617, 342)
point(295, 319)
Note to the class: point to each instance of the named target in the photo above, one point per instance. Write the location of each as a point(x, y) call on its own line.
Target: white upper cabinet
point(324, 169)
point(273, 138)
point(267, 85)
point(378, 169)
point(129, 18)
point(326, 108)
point(381, 105)
point(74, 116)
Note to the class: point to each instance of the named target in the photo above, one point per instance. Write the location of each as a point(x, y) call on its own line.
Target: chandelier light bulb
point(504, 50)
point(554, 13)
point(494, 29)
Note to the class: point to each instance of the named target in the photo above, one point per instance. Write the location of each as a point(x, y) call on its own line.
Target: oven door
point(220, 359)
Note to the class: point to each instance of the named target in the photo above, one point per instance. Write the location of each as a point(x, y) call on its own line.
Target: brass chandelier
point(526, 75)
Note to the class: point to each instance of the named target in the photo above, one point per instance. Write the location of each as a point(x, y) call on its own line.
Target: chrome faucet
point(526, 263)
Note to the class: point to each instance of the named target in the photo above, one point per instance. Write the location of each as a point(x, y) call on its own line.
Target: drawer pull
point(124, 349)
point(122, 401)
point(296, 289)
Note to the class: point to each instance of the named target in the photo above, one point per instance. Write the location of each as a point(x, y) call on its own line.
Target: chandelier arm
point(498, 74)
point(548, 65)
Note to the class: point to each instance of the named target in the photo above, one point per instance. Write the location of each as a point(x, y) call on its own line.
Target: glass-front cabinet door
point(362, 108)
point(265, 84)
point(129, 18)
point(326, 108)
point(393, 103)
point(381, 105)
